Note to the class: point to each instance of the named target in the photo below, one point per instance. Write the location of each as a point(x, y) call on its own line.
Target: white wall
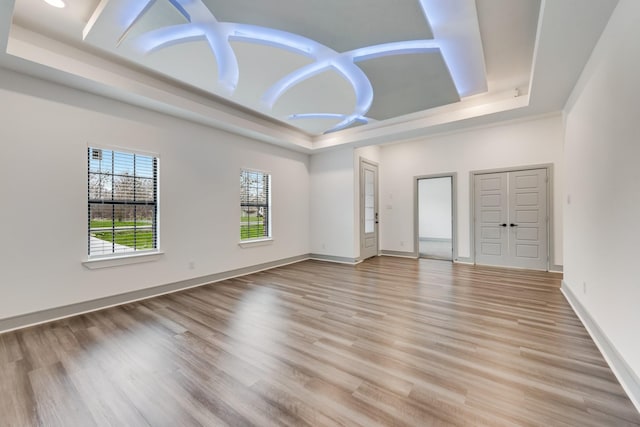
point(43, 187)
point(335, 201)
point(602, 152)
point(434, 208)
point(332, 203)
point(520, 143)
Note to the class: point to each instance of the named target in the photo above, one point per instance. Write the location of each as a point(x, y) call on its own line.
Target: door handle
point(513, 225)
point(503, 225)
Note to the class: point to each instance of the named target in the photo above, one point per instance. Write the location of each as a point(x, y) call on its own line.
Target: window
point(123, 202)
point(255, 205)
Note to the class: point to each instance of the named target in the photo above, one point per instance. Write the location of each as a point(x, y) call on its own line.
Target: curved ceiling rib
point(201, 24)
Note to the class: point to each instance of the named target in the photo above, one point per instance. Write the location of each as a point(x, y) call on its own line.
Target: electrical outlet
point(401, 243)
point(192, 265)
point(324, 246)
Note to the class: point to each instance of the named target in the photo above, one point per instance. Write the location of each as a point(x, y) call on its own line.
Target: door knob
point(503, 225)
point(513, 225)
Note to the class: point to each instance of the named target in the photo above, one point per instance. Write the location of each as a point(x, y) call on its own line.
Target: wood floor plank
point(56, 399)
point(389, 342)
point(9, 349)
point(17, 402)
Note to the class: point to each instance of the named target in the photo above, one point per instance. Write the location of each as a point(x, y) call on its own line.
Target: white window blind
point(122, 202)
point(255, 205)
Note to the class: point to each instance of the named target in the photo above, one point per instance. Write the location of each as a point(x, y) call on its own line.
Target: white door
point(528, 219)
point(511, 219)
point(491, 234)
point(368, 209)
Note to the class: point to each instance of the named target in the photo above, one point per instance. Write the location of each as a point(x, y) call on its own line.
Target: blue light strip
point(135, 9)
point(228, 72)
point(129, 17)
point(281, 86)
point(274, 38)
point(167, 36)
point(181, 9)
point(460, 45)
point(203, 25)
point(361, 86)
point(327, 116)
point(345, 64)
point(396, 48)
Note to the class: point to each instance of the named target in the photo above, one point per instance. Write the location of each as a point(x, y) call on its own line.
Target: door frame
point(454, 212)
point(361, 213)
point(550, 209)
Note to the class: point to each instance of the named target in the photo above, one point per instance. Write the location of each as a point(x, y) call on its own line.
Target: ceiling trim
point(42, 57)
point(561, 50)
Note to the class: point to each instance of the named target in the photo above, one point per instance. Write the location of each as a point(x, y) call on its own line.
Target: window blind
point(122, 202)
point(255, 205)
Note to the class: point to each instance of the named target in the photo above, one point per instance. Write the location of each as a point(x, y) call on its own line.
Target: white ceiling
point(486, 52)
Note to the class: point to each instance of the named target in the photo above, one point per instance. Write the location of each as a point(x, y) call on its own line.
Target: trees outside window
point(122, 202)
point(255, 205)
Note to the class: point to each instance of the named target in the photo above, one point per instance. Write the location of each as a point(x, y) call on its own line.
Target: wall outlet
point(401, 243)
point(324, 246)
point(192, 265)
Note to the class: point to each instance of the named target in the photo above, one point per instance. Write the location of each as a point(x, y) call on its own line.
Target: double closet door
point(511, 219)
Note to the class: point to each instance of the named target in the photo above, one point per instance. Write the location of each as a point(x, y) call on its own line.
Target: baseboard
point(337, 259)
point(556, 268)
point(623, 372)
point(400, 254)
point(49, 315)
point(468, 260)
point(434, 239)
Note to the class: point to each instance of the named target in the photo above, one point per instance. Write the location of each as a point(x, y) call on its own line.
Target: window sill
point(118, 260)
point(256, 242)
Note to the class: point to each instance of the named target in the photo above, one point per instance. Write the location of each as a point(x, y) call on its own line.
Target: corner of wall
point(623, 372)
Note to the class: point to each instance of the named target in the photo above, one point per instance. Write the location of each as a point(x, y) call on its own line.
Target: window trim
point(133, 257)
point(262, 240)
point(115, 260)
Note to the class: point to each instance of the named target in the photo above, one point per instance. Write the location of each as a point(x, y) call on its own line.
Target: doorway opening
point(435, 217)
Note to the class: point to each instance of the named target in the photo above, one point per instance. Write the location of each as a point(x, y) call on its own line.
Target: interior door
point(368, 209)
point(491, 216)
point(511, 219)
point(528, 219)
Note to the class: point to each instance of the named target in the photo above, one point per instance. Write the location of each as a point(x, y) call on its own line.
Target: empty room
point(319, 213)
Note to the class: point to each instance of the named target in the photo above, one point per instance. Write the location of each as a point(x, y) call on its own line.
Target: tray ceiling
point(301, 73)
point(317, 66)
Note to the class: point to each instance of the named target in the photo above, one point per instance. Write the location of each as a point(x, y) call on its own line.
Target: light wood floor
point(390, 342)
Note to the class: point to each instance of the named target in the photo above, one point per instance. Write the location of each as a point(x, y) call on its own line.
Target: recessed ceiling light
point(56, 3)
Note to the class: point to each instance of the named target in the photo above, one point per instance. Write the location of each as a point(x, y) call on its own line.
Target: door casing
point(454, 212)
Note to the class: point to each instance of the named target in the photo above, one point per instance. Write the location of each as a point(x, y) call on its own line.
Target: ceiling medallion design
point(201, 24)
